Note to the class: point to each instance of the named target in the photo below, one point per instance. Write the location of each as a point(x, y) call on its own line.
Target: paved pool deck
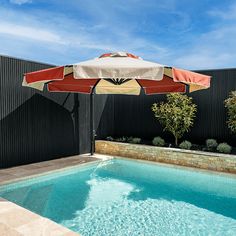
point(18, 221)
point(12, 174)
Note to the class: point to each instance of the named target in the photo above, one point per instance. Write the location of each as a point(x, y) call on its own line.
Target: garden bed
point(198, 159)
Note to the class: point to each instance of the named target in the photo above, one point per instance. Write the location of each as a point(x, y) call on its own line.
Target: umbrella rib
point(94, 86)
point(117, 81)
point(66, 99)
point(138, 83)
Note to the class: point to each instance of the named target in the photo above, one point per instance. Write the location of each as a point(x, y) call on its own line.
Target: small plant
point(129, 139)
point(121, 139)
point(230, 104)
point(196, 147)
point(158, 141)
point(135, 140)
point(176, 115)
point(224, 148)
point(185, 145)
point(109, 138)
point(211, 144)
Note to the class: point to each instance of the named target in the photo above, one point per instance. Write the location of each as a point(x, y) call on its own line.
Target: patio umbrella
point(116, 73)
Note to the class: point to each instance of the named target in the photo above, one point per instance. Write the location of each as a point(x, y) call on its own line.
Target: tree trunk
point(176, 141)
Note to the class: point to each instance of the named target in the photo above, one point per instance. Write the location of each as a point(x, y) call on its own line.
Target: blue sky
point(182, 33)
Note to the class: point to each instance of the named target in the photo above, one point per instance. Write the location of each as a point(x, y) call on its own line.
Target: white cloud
point(20, 2)
point(214, 49)
point(29, 32)
point(68, 39)
point(225, 14)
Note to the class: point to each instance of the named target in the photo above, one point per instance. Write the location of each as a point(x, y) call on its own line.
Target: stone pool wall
point(197, 159)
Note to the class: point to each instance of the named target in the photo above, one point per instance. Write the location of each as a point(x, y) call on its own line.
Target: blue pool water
point(122, 197)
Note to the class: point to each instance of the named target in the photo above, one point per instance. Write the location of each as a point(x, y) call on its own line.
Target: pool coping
point(46, 168)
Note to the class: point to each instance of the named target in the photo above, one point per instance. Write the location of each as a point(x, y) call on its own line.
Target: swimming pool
point(125, 197)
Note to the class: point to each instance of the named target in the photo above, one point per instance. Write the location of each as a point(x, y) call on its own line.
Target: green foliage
point(185, 145)
point(211, 144)
point(158, 141)
point(196, 147)
point(121, 139)
point(129, 139)
point(224, 148)
point(176, 115)
point(230, 104)
point(109, 138)
point(135, 140)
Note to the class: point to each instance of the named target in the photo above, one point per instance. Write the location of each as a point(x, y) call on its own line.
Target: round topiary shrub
point(211, 144)
point(135, 140)
point(185, 145)
point(158, 141)
point(224, 148)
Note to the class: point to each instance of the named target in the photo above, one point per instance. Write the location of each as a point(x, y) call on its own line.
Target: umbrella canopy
point(116, 73)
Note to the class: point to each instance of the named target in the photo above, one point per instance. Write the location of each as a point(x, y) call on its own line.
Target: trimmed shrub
point(135, 140)
point(196, 147)
point(185, 145)
point(109, 138)
point(224, 148)
point(121, 139)
point(211, 144)
point(129, 139)
point(158, 141)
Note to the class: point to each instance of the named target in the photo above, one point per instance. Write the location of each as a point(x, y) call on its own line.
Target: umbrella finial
point(119, 54)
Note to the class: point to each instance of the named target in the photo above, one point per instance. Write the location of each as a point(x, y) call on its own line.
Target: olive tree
point(230, 104)
point(176, 115)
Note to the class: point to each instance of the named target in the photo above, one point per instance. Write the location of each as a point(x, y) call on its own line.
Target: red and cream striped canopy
point(116, 73)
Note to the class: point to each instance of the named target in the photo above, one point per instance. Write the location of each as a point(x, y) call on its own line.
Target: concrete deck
point(18, 221)
point(13, 174)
